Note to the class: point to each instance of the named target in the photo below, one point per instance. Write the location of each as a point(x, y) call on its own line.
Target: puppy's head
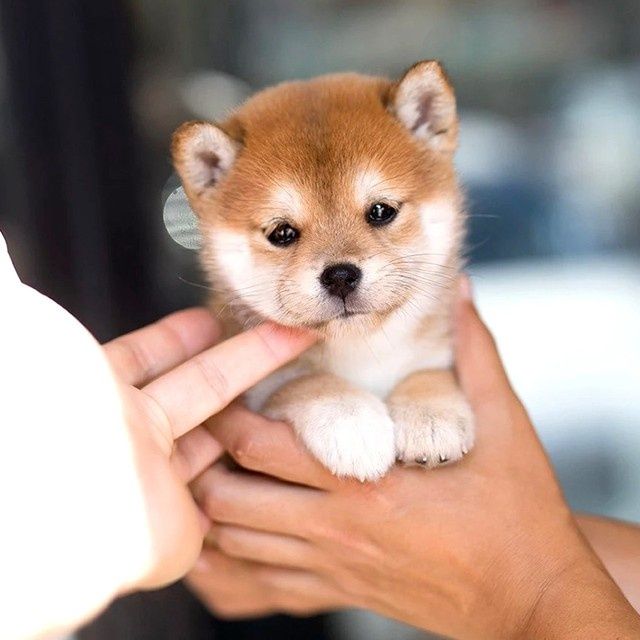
point(329, 203)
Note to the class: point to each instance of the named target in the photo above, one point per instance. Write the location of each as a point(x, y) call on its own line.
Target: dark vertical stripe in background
point(66, 68)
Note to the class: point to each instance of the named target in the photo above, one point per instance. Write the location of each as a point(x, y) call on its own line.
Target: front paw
point(433, 433)
point(351, 436)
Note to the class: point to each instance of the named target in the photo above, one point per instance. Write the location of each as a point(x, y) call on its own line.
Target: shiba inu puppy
point(333, 204)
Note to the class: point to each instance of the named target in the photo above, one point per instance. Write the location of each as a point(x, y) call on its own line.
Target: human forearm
point(617, 544)
point(582, 602)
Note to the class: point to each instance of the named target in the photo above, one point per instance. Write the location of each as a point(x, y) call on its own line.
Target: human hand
point(169, 386)
point(485, 548)
point(235, 588)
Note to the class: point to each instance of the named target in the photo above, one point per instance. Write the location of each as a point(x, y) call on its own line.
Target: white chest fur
point(375, 362)
point(379, 360)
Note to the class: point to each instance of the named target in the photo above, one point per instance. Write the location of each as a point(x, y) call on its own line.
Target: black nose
point(341, 279)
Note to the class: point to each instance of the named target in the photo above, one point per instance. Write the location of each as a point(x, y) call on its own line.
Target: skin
point(486, 548)
point(169, 386)
point(171, 379)
point(618, 546)
point(233, 587)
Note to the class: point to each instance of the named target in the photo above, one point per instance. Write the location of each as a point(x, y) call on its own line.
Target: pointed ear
point(424, 101)
point(202, 153)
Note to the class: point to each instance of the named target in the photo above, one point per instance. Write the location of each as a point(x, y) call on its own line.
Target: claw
point(443, 459)
point(465, 451)
point(422, 460)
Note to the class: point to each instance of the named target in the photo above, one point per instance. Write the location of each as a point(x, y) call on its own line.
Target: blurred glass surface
point(549, 99)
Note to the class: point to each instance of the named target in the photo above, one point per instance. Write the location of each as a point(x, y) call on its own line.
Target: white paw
point(433, 434)
point(352, 436)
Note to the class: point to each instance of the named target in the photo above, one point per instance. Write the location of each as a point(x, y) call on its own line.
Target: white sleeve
point(72, 523)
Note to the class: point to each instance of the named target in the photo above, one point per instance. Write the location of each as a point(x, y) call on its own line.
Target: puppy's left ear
point(424, 101)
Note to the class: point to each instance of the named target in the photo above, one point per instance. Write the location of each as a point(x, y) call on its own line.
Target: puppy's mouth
point(351, 313)
point(343, 316)
point(347, 312)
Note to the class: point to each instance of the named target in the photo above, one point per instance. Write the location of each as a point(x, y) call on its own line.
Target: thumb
point(478, 364)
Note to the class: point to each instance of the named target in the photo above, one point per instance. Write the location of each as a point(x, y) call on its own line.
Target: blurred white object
point(569, 333)
point(62, 414)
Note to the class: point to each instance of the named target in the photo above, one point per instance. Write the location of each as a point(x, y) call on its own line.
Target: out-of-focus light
point(210, 95)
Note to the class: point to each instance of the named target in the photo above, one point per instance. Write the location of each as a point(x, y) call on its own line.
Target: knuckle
point(214, 503)
point(228, 542)
point(269, 352)
point(247, 451)
point(229, 609)
point(268, 576)
point(215, 379)
point(132, 357)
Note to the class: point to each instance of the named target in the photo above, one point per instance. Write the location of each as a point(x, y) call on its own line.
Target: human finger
point(263, 547)
point(227, 586)
point(194, 452)
point(268, 447)
point(255, 501)
point(478, 364)
point(205, 384)
point(235, 588)
point(142, 355)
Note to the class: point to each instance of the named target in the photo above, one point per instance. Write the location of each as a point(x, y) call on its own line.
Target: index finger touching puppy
point(204, 385)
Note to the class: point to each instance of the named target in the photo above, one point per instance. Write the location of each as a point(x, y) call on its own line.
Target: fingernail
point(465, 288)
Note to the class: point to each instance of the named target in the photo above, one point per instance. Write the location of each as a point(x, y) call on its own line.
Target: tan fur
point(316, 154)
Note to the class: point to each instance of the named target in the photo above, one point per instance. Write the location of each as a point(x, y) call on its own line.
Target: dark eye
point(283, 235)
point(380, 214)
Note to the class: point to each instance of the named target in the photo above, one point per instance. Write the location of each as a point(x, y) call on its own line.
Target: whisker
point(195, 284)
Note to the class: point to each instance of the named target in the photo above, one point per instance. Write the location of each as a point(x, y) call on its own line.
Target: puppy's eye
point(283, 235)
point(380, 214)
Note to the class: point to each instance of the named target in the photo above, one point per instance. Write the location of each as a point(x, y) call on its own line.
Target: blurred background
point(549, 97)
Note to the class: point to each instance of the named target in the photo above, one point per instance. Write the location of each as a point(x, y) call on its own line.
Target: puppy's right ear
point(202, 153)
point(424, 101)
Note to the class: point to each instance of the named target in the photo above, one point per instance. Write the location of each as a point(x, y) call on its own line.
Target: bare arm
point(618, 546)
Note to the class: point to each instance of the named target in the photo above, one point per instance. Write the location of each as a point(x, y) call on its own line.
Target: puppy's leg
point(433, 422)
point(347, 429)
